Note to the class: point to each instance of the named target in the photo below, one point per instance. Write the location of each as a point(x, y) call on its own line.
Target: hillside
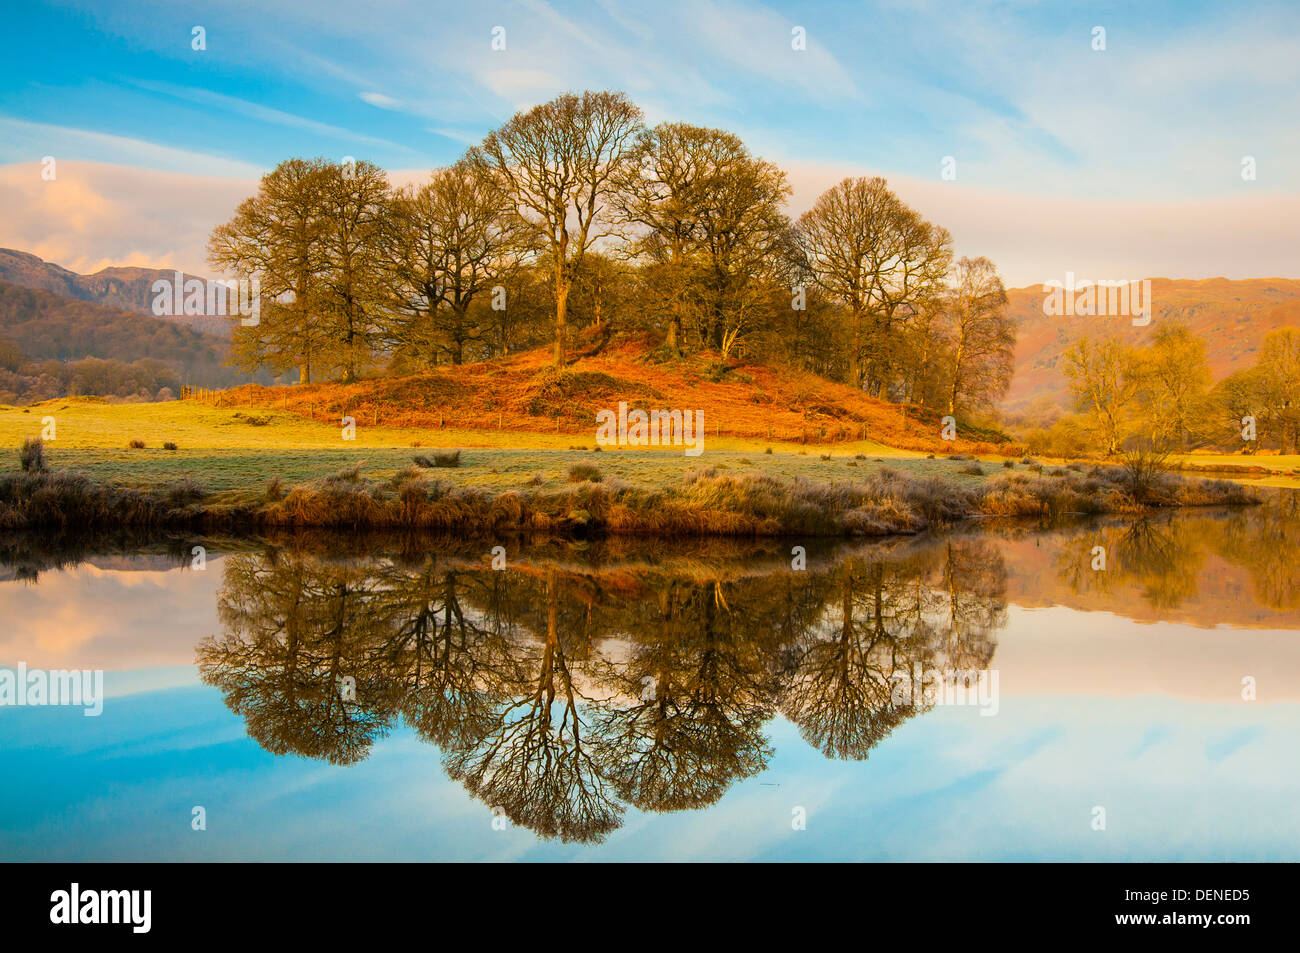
point(524, 393)
point(126, 289)
point(1231, 316)
point(51, 327)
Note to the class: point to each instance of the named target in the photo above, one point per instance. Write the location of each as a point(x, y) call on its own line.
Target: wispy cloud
point(380, 101)
point(213, 100)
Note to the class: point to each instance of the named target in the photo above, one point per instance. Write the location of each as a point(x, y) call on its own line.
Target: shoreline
point(707, 502)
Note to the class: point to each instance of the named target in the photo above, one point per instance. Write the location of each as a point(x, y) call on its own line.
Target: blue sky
point(1015, 92)
point(1179, 781)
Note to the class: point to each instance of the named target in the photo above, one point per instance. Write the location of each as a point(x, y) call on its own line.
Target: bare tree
point(559, 164)
point(449, 244)
point(277, 237)
point(982, 336)
point(882, 260)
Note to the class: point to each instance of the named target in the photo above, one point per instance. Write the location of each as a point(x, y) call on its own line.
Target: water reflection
point(1165, 558)
point(560, 695)
point(589, 679)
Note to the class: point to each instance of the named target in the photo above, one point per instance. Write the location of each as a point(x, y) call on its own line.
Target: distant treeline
point(51, 346)
point(575, 216)
point(1163, 393)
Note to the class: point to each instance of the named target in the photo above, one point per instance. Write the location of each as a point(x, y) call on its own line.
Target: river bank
point(716, 500)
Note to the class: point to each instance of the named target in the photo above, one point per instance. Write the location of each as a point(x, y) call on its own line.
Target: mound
point(525, 393)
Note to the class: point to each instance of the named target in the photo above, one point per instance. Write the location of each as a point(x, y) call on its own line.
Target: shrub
point(347, 476)
point(584, 472)
point(972, 469)
point(439, 460)
point(274, 489)
point(1009, 464)
point(170, 445)
point(32, 456)
point(184, 491)
point(1143, 469)
point(136, 444)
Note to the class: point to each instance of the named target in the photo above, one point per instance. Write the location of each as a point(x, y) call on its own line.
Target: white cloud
point(94, 215)
point(22, 141)
point(380, 101)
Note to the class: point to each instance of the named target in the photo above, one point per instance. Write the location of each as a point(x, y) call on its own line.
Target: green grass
point(1283, 469)
point(223, 453)
point(231, 461)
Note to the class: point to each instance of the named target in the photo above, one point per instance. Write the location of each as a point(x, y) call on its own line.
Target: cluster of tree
point(1162, 394)
point(576, 214)
point(25, 382)
point(51, 346)
point(514, 675)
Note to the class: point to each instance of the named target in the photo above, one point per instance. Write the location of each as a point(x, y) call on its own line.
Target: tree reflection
point(561, 696)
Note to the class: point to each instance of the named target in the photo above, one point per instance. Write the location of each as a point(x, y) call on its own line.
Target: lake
point(1115, 689)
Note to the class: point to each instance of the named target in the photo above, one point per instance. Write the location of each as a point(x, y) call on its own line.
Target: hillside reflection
point(561, 694)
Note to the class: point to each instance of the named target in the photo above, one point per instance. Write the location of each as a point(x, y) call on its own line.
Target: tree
point(450, 243)
point(709, 220)
point(981, 336)
point(1103, 386)
point(741, 235)
point(558, 164)
point(277, 237)
point(354, 206)
point(1279, 380)
point(1173, 377)
point(882, 261)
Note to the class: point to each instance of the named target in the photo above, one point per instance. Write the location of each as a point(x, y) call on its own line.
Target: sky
point(1111, 163)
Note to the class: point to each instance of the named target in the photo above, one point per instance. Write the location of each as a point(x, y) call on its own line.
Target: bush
point(32, 456)
point(136, 444)
point(169, 445)
point(584, 472)
point(439, 460)
point(274, 489)
point(972, 469)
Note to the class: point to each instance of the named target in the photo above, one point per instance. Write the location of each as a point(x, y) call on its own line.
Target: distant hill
point(1231, 316)
point(51, 327)
point(127, 289)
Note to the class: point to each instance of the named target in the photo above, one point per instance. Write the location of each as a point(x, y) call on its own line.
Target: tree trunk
point(561, 316)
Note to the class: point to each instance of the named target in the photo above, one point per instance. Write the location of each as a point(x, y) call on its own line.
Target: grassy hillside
point(523, 394)
point(1231, 316)
point(51, 327)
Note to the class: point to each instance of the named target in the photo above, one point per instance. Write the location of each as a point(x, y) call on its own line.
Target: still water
point(983, 694)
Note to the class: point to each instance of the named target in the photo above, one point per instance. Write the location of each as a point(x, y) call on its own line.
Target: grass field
point(262, 468)
point(222, 452)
